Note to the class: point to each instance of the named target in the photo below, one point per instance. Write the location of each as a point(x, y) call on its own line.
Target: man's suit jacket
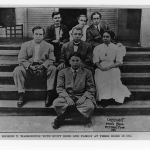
point(27, 52)
point(83, 85)
point(51, 35)
point(84, 49)
point(93, 36)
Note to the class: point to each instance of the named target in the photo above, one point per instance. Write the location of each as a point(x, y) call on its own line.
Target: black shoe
point(48, 102)
point(21, 100)
point(57, 122)
point(105, 103)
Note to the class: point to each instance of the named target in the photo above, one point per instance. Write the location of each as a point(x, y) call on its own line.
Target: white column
point(145, 28)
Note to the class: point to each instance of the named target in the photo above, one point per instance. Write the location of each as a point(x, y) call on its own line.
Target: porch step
point(127, 78)
point(127, 67)
point(135, 78)
point(137, 56)
point(37, 108)
point(10, 92)
point(135, 67)
point(137, 49)
point(130, 56)
point(10, 47)
point(135, 75)
point(17, 47)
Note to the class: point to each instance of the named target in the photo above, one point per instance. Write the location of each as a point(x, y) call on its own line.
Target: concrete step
point(135, 67)
point(17, 47)
point(9, 54)
point(37, 108)
point(8, 65)
point(10, 47)
point(10, 92)
point(137, 56)
point(6, 78)
point(127, 78)
point(130, 56)
point(137, 49)
point(127, 67)
point(135, 78)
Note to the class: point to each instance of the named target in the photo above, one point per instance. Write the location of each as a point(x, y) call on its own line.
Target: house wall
point(145, 28)
point(37, 16)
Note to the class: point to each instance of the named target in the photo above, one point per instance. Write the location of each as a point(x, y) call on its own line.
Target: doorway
point(69, 16)
point(129, 24)
point(7, 17)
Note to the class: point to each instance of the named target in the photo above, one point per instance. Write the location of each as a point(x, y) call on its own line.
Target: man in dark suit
point(95, 31)
point(36, 59)
point(79, 46)
point(76, 90)
point(57, 34)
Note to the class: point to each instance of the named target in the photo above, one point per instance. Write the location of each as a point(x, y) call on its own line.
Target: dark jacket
point(50, 33)
point(93, 36)
point(84, 49)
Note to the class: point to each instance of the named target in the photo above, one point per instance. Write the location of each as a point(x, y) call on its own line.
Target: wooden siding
point(38, 17)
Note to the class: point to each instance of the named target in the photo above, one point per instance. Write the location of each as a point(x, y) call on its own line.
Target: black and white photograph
point(74, 72)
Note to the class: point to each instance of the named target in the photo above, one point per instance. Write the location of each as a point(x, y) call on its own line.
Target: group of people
point(82, 71)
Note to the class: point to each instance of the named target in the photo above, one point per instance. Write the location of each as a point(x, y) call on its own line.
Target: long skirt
point(109, 85)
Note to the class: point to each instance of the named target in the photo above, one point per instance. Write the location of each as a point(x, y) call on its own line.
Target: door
point(69, 16)
point(129, 24)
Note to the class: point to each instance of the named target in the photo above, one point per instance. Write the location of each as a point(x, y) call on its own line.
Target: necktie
point(97, 28)
point(74, 75)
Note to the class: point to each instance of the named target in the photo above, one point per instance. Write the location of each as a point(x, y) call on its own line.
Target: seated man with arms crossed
point(76, 90)
point(36, 59)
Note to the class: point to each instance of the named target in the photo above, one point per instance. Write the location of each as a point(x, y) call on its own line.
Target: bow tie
point(76, 44)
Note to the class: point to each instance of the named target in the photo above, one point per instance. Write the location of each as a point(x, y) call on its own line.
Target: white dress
point(84, 33)
point(108, 83)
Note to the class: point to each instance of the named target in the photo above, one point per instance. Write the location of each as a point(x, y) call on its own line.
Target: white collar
point(74, 70)
point(97, 25)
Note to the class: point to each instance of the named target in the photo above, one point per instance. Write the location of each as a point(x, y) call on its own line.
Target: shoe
point(48, 101)
point(57, 122)
point(21, 100)
point(105, 103)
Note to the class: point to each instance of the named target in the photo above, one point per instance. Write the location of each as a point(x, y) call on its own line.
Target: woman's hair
point(82, 16)
point(111, 33)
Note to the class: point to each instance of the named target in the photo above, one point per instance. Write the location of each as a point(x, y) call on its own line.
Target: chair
point(12, 31)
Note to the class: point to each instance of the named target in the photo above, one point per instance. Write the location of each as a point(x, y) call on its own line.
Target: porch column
point(145, 28)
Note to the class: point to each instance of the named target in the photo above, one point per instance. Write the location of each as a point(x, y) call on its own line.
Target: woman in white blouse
point(107, 58)
point(82, 20)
